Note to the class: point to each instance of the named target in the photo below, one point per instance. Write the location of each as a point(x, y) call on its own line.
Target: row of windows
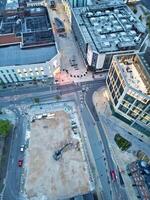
point(130, 99)
point(137, 96)
point(135, 113)
point(8, 71)
point(116, 90)
point(23, 70)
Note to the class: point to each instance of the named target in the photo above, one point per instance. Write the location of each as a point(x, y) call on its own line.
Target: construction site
point(56, 166)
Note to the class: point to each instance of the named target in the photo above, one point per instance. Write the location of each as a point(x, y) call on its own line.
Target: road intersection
point(104, 163)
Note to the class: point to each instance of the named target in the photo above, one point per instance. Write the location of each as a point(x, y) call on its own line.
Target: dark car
point(20, 163)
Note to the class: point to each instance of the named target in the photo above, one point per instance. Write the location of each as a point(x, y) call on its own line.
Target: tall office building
point(128, 85)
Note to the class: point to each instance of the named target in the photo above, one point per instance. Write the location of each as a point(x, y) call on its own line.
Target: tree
point(36, 100)
point(140, 17)
point(5, 127)
point(58, 97)
point(134, 10)
point(34, 80)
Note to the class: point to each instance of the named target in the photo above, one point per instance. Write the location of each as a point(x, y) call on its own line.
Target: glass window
point(133, 115)
point(129, 98)
point(113, 94)
point(121, 90)
point(108, 80)
point(115, 75)
point(140, 104)
point(123, 109)
point(115, 101)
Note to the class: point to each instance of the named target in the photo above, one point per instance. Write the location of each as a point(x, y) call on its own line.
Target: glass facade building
point(129, 89)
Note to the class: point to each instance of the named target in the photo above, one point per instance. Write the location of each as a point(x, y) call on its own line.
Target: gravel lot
point(47, 179)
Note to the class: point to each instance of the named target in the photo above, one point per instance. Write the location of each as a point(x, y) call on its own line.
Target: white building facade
point(28, 72)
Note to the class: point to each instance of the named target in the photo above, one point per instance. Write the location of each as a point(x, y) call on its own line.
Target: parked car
point(22, 147)
point(20, 163)
point(113, 175)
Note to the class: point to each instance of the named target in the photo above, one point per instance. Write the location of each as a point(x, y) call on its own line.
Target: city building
point(139, 171)
point(27, 46)
point(11, 4)
point(131, 1)
point(105, 30)
point(128, 85)
point(69, 4)
point(34, 2)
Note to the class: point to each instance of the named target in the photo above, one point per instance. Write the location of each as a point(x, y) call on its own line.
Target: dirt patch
point(47, 178)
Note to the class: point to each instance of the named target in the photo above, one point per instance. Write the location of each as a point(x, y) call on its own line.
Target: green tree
point(140, 17)
point(58, 97)
point(5, 127)
point(36, 100)
point(134, 10)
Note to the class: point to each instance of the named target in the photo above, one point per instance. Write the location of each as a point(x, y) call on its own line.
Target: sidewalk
point(112, 126)
point(102, 106)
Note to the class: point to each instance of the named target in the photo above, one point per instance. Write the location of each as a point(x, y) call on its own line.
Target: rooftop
point(12, 4)
point(31, 24)
point(134, 73)
point(26, 36)
point(2, 4)
point(110, 27)
point(19, 56)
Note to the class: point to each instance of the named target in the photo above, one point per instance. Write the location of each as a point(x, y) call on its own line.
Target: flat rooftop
point(26, 36)
point(110, 27)
point(2, 4)
point(19, 56)
point(12, 4)
point(31, 24)
point(134, 73)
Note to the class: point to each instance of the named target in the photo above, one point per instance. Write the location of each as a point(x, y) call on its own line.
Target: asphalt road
point(98, 152)
point(102, 157)
point(118, 191)
point(13, 176)
point(44, 88)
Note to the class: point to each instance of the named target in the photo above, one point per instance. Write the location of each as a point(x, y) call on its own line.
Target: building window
point(110, 87)
point(118, 83)
point(148, 110)
point(136, 110)
point(36, 69)
point(133, 115)
point(115, 101)
point(11, 77)
point(121, 90)
point(129, 98)
point(140, 104)
point(108, 80)
point(115, 75)
point(123, 109)
point(113, 94)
